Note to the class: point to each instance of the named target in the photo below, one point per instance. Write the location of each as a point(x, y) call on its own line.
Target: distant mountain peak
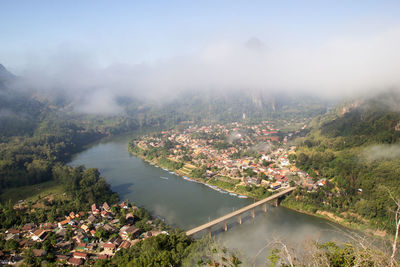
point(3, 69)
point(5, 75)
point(255, 44)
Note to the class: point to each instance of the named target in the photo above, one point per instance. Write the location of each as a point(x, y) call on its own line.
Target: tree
point(11, 245)
point(263, 176)
point(102, 234)
point(68, 234)
point(28, 256)
point(46, 245)
point(122, 219)
point(397, 227)
point(161, 250)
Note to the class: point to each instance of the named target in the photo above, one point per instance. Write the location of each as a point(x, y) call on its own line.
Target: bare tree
point(286, 255)
point(397, 222)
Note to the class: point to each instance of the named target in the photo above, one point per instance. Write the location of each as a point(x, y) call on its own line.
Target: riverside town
point(242, 160)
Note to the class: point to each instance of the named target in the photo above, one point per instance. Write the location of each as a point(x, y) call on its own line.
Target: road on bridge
point(238, 212)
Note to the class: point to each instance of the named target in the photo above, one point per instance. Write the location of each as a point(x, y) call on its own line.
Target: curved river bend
point(187, 204)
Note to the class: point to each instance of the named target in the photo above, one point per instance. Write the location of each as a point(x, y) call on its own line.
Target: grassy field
point(31, 192)
point(222, 184)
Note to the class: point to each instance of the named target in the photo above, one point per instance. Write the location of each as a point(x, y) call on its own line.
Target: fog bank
point(382, 152)
point(342, 67)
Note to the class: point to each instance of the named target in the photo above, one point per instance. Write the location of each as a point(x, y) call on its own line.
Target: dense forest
point(355, 147)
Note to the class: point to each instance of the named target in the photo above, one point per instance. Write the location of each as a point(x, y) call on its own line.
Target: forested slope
point(356, 147)
point(35, 137)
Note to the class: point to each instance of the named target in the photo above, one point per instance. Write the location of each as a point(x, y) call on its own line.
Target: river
point(187, 204)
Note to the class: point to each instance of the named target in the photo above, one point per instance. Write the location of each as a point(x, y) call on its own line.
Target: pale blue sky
point(137, 31)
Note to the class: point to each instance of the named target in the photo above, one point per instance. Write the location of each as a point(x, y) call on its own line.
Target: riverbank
point(186, 176)
point(329, 216)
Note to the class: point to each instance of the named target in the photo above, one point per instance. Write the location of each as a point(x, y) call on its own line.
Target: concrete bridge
point(239, 213)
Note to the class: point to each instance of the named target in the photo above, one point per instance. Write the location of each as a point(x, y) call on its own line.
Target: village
point(248, 156)
point(83, 237)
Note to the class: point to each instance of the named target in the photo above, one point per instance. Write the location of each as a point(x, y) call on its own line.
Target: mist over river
point(187, 204)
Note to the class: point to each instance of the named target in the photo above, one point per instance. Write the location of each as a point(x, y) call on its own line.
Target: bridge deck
point(237, 212)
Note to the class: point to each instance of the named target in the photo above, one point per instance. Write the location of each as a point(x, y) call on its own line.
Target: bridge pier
point(274, 200)
point(264, 207)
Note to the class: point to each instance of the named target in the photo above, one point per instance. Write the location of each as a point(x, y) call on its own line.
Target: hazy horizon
point(95, 52)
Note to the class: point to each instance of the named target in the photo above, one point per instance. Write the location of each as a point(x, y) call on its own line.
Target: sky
point(98, 50)
point(146, 31)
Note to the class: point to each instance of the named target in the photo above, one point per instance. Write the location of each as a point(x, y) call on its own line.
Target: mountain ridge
point(5, 75)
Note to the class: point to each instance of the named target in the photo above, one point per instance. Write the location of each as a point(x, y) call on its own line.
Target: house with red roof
point(80, 255)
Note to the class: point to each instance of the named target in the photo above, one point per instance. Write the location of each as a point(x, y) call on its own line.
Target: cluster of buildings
point(79, 238)
point(230, 150)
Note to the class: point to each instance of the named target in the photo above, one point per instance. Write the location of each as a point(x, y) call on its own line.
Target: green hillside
point(356, 147)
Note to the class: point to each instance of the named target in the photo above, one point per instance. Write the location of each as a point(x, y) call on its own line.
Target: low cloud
point(342, 67)
point(233, 136)
point(262, 147)
point(102, 102)
point(382, 152)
